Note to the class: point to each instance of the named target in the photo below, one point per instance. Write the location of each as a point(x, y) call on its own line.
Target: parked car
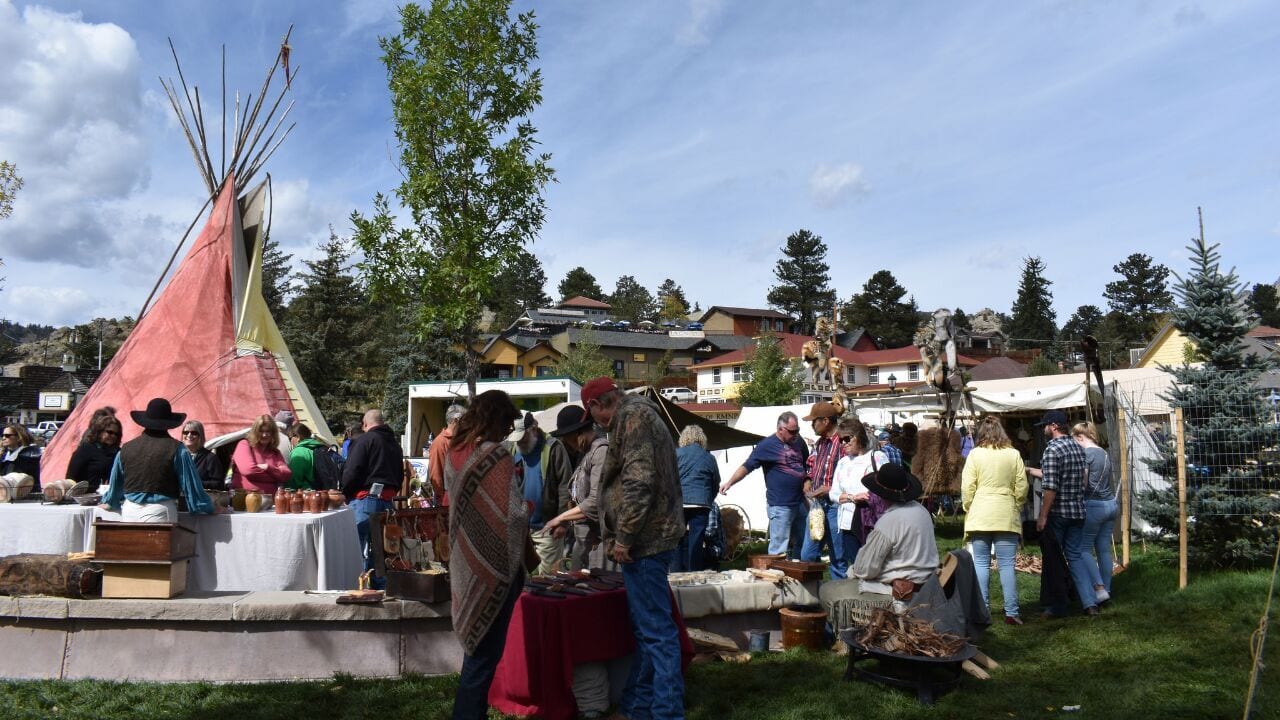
point(693, 326)
point(678, 394)
point(45, 429)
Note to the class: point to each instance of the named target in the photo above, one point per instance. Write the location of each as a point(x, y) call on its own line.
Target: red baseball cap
point(594, 389)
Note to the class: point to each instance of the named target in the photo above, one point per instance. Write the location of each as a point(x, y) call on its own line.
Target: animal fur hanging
point(938, 461)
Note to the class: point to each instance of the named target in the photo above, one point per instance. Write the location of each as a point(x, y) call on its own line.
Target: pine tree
point(407, 359)
point(1033, 324)
point(520, 286)
point(1263, 302)
point(772, 378)
point(880, 310)
point(276, 274)
point(1233, 490)
point(672, 304)
point(578, 282)
point(631, 301)
point(1141, 297)
point(961, 320)
point(803, 276)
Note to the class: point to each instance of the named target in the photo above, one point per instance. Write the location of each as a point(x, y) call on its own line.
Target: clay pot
point(282, 501)
point(335, 499)
point(297, 501)
point(238, 499)
point(253, 501)
point(315, 501)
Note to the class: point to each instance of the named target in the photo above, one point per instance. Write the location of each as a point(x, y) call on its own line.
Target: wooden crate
point(800, 570)
point(418, 586)
point(144, 580)
point(146, 542)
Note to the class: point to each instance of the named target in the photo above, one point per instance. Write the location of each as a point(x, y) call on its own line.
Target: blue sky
point(941, 141)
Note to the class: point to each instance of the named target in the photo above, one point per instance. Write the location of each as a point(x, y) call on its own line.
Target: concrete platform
point(223, 637)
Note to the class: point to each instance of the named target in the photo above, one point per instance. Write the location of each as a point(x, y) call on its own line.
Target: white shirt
point(848, 479)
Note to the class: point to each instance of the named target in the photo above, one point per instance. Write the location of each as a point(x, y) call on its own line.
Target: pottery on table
point(238, 499)
point(282, 501)
point(253, 501)
point(335, 499)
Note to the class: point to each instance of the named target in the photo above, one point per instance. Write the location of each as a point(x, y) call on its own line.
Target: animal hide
point(938, 461)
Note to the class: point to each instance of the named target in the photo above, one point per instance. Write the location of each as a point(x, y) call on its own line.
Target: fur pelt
point(938, 461)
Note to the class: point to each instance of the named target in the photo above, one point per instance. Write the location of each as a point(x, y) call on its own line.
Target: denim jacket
point(699, 475)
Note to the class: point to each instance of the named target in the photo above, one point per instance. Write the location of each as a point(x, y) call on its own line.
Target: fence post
point(1180, 429)
point(1126, 521)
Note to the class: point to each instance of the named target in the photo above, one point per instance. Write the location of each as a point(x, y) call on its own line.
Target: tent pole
point(1126, 501)
point(1182, 499)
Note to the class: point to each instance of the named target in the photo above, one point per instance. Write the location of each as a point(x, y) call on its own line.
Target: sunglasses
point(846, 438)
point(7, 435)
point(110, 432)
point(189, 433)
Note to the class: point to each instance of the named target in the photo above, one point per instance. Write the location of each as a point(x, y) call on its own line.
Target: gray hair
point(785, 419)
point(194, 425)
point(454, 413)
point(693, 435)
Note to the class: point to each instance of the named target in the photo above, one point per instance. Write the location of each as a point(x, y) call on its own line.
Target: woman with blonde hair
point(699, 482)
point(257, 463)
point(993, 488)
point(1100, 510)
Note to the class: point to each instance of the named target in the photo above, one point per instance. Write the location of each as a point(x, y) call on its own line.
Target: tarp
point(719, 437)
point(208, 344)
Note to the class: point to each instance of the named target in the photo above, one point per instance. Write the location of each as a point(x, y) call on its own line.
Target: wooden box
point(145, 542)
point(800, 570)
point(432, 588)
point(144, 580)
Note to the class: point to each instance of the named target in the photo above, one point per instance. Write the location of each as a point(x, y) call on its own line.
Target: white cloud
point(832, 184)
point(360, 14)
point(71, 119)
point(49, 305)
point(702, 14)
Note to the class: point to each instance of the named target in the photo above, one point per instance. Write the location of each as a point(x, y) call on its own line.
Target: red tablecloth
point(548, 636)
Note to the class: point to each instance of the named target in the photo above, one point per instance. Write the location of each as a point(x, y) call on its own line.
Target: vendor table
point(32, 527)
point(548, 636)
point(264, 551)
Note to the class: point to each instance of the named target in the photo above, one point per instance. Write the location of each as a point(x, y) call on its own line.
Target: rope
point(1259, 637)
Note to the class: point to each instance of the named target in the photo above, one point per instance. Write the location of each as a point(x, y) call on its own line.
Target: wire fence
point(1199, 453)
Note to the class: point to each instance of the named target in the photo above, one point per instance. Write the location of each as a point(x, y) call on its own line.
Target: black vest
point(147, 461)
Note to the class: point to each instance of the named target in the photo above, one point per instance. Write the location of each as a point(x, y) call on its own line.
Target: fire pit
point(929, 677)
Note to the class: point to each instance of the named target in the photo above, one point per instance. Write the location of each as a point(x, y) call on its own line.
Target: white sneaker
point(1102, 596)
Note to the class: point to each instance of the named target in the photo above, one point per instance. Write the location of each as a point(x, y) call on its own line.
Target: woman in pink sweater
point(257, 463)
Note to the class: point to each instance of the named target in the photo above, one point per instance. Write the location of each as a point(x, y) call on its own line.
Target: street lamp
point(893, 385)
point(893, 382)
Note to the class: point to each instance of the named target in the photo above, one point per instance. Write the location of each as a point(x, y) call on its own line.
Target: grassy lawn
point(1155, 652)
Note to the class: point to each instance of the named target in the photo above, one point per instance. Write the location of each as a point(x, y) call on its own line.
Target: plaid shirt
point(822, 465)
point(893, 453)
point(1065, 468)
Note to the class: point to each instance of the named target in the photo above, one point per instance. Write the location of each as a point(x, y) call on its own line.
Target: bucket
point(762, 562)
point(803, 626)
point(758, 641)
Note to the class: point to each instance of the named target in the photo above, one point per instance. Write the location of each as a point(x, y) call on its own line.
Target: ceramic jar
point(282, 501)
point(335, 499)
point(253, 501)
point(297, 501)
point(238, 499)
point(316, 501)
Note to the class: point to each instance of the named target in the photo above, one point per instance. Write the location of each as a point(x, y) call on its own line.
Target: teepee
point(209, 343)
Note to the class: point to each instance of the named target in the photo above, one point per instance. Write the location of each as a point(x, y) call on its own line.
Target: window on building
point(777, 325)
point(618, 368)
point(873, 375)
point(715, 376)
point(519, 371)
point(545, 370)
point(913, 372)
point(737, 373)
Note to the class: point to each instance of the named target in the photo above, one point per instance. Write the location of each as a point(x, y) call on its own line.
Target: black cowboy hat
point(893, 483)
point(158, 416)
point(570, 420)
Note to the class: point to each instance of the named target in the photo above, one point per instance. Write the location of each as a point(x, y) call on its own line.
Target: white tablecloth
point(264, 551)
point(30, 527)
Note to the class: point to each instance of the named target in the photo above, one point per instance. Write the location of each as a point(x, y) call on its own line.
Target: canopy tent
point(208, 344)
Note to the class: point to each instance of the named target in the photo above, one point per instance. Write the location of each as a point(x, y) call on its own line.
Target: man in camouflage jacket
point(643, 519)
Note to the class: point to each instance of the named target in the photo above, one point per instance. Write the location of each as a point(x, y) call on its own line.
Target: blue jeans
point(1006, 544)
point(1099, 523)
point(691, 554)
point(655, 688)
point(832, 540)
point(851, 544)
point(478, 668)
point(786, 530)
point(363, 508)
point(1070, 537)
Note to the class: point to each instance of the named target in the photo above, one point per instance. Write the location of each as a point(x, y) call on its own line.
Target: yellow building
point(1168, 347)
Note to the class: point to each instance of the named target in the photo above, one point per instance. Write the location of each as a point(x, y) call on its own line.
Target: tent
point(208, 344)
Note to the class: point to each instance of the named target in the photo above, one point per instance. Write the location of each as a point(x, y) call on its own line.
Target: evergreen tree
point(1263, 302)
point(803, 276)
point(1084, 321)
point(1233, 489)
point(578, 282)
point(961, 320)
point(1033, 322)
point(1141, 297)
point(1040, 365)
point(631, 301)
point(519, 287)
point(408, 359)
point(276, 274)
point(672, 304)
point(880, 310)
point(772, 378)
point(584, 361)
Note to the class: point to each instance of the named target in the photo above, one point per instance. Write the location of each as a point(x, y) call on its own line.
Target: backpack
point(326, 470)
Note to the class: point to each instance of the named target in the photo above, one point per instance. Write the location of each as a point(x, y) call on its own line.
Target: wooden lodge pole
point(1126, 520)
point(1182, 499)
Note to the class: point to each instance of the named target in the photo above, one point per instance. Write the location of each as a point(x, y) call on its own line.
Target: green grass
point(1155, 652)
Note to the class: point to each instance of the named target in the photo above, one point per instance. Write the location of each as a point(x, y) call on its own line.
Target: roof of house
point(583, 301)
point(1264, 331)
point(998, 368)
point(744, 312)
point(792, 345)
point(849, 338)
point(907, 354)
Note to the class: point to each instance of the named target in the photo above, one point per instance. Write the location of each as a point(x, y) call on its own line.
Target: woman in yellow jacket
point(993, 489)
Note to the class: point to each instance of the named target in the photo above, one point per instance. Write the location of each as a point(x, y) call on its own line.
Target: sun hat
point(821, 410)
point(159, 415)
point(570, 420)
point(893, 483)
